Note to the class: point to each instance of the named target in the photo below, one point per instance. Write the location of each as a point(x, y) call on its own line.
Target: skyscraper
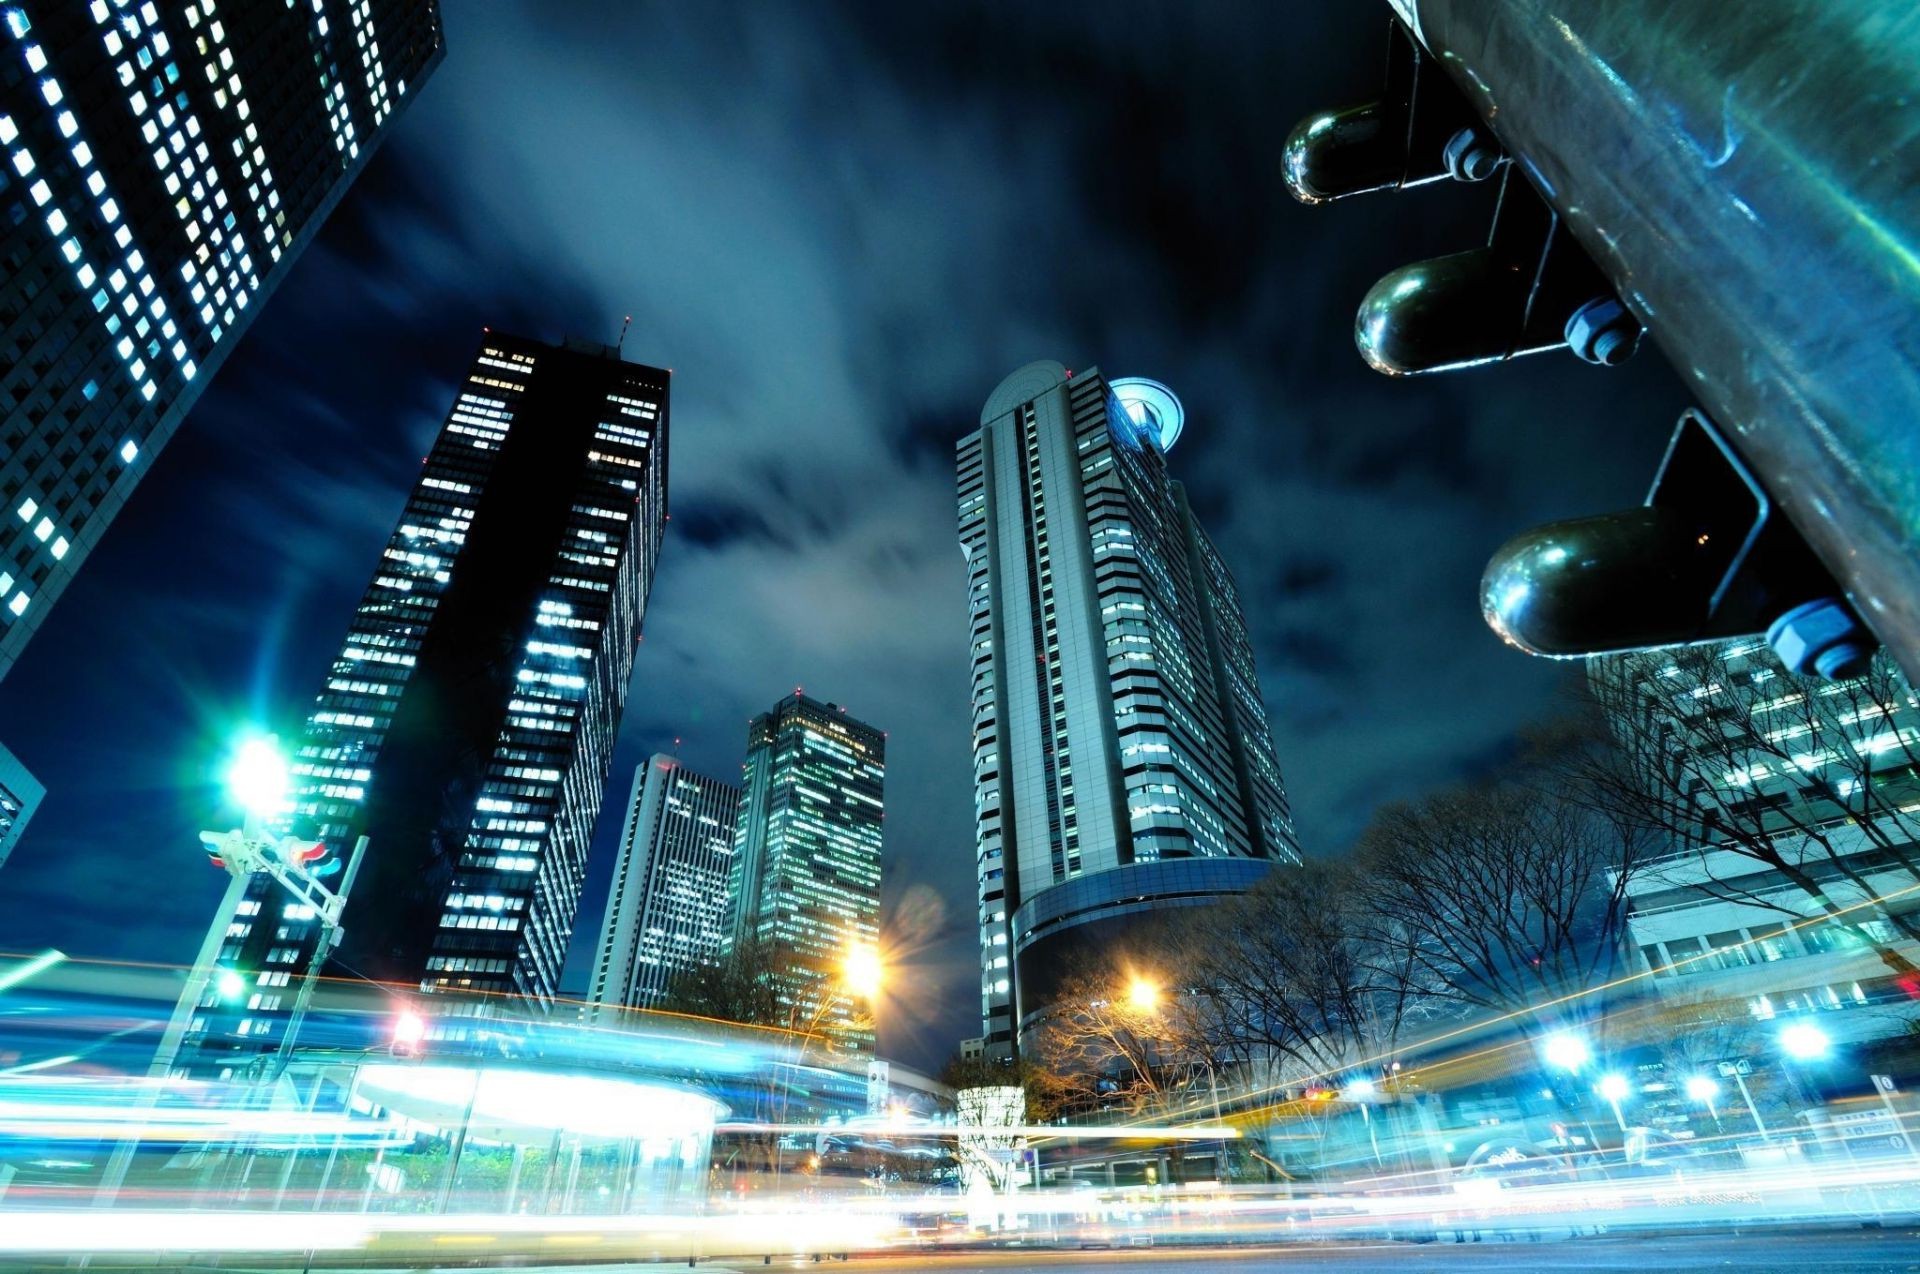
point(667, 909)
point(467, 725)
point(1123, 761)
point(165, 166)
point(806, 863)
point(1788, 816)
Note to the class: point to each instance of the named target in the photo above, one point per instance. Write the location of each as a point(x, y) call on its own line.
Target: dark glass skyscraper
point(165, 164)
point(1123, 761)
point(467, 725)
point(806, 863)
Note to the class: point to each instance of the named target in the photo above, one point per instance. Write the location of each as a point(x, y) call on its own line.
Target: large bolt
point(1472, 154)
point(1603, 331)
point(1822, 637)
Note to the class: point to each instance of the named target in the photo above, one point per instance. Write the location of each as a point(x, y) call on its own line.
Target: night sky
point(840, 228)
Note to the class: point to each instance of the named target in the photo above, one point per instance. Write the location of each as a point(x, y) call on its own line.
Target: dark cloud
point(716, 523)
point(840, 227)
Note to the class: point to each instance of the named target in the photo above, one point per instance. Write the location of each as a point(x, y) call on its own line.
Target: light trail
point(1065, 1132)
point(30, 968)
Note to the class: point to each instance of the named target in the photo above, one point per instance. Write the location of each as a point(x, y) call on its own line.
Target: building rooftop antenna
point(621, 344)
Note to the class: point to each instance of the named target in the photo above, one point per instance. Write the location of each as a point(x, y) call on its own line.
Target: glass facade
point(1791, 888)
point(1117, 717)
point(164, 164)
point(467, 725)
point(668, 906)
point(806, 864)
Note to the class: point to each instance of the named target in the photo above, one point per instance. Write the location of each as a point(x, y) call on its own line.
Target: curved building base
point(1063, 927)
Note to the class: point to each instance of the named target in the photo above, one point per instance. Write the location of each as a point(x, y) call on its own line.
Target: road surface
point(1851, 1250)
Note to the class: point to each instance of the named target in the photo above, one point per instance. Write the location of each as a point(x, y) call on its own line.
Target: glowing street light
point(229, 985)
point(1614, 1087)
point(1143, 995)
point(1706, 1091)
point(1566, 1051)
point(862, 971)
point(1359, 1089)
point(1805, 1042)
point(409, 1031)
point(258, 777)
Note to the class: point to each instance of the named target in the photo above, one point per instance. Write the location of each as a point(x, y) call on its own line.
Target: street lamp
point(409, 1031)
point(1566, 1051)
point(1359, 1090)
point(1706, 1091)
point(259, 780)
point(229, 985)
point(1614, 1087)
point(861, 971)
point(258, 776)
point(1143, 995)
point(1805, 1042)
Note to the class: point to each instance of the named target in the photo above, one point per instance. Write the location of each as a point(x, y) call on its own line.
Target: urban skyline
point(758, 534)
point(1416, 746)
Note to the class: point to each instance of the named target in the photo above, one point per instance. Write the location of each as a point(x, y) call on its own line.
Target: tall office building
point(166, 163)
point(1790, 809)
point(467, 725)
point(667, 909)
point(1123, 761)
point(806, 862)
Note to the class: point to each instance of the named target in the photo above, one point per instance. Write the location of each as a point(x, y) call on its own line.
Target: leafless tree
point(1299, 978)
point(1124, 1034)
point(1505, 898)
point(1812, 783)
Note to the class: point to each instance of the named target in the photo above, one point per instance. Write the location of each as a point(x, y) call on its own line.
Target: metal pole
point(459, 1145)
point(339, 1137)
point(373, 1175)
point(293, 1152)
point(1741, 1081)
point(168, 1050)
point(330, 934)
point(513, 1175)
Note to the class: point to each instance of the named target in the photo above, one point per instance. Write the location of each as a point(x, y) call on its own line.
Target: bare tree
point(1123, 1035)
point(1812, 783)
point(1299, 977)
point(1506, 898)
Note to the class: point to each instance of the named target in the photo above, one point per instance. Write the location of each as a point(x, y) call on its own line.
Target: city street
point(1857, 1251)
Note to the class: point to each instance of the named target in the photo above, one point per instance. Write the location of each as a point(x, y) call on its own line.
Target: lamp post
point(862, 974)
point(1706, 1091)
point(257, 782)
point(1615, 1089)
point(1738, 1070)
